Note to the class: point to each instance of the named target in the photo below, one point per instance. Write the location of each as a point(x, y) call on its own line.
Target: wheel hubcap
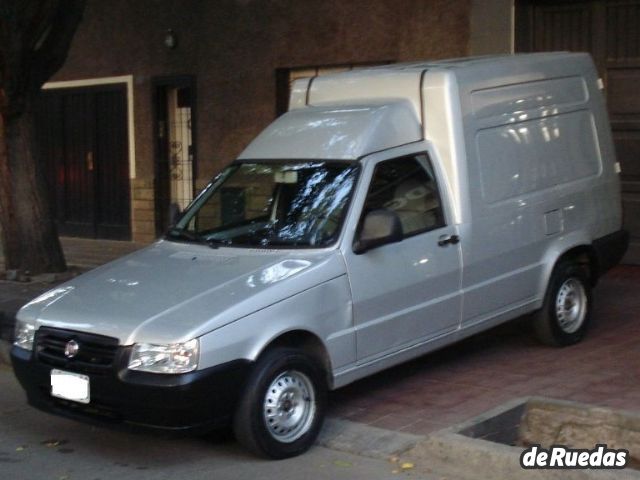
point(289, 406)
point(571, 305)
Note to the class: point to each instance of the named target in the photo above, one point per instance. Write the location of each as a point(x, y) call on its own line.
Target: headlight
point(173, 358)
point(24, 334)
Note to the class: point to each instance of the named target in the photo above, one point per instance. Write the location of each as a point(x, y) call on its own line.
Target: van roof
point(338, 132)
point(462, 62)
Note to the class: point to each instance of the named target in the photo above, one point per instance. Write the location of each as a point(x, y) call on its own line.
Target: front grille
point(96, 353)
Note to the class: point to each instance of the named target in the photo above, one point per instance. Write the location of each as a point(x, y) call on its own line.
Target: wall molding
point(90, 82)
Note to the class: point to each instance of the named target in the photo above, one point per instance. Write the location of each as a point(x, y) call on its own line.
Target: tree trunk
point(24, 203)
point(9, 229)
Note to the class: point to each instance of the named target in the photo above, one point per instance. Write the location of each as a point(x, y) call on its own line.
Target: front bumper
point(194, 402)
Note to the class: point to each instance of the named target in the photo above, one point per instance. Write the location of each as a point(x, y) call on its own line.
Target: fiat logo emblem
point(71, 349)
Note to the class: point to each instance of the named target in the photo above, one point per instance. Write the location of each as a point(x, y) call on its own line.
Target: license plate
point(70, 386)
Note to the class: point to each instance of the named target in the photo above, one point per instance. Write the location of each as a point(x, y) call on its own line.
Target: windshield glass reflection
point(271, 204)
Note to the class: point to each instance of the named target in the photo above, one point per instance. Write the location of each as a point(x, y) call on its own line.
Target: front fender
point(324, 311)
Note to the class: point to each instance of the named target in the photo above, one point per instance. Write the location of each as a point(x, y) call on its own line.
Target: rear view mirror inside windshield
point(289, 176)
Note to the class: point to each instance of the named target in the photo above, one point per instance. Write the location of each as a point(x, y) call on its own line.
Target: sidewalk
point(86, 253)
point(464, 380)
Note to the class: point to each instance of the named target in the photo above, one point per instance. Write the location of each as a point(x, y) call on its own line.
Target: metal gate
point(82, 138)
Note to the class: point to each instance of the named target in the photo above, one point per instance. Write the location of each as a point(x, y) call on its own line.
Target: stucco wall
point(233, 47)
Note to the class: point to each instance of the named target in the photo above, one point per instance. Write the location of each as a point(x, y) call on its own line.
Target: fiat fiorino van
point(390, 212)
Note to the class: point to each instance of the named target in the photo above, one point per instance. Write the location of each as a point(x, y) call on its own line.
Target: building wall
point(233, 47)
point(491, 27)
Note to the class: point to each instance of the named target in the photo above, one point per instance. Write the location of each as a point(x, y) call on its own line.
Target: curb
point(472, 458)
point(450, 451)
point(364, 440)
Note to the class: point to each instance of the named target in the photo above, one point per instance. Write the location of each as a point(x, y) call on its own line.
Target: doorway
point(82, 137)
point(174, 100)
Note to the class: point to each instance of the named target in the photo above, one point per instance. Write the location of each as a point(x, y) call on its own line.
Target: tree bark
point(24, 207)
point(10, 239)
point(35, 36)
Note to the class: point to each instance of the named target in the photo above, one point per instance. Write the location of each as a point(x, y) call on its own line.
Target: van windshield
point(271, 204)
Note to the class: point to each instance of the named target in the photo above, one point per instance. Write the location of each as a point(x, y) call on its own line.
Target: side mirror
point(379, 228)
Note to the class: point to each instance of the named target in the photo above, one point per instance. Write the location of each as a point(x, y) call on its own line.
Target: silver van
point(391, 212)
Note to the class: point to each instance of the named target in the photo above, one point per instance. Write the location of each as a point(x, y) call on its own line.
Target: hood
point(172, 292)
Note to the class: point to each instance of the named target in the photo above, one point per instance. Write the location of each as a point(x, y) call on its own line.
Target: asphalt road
point(35, 445)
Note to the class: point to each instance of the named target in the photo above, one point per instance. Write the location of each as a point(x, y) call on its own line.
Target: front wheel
point(282, 408)
point(566, 312)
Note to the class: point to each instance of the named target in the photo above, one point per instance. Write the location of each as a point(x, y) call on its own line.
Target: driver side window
point(406, 187)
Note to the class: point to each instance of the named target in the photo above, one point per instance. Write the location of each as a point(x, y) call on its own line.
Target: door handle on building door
point(89, 159)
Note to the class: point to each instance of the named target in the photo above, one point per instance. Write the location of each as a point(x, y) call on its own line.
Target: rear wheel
point(282, 408)
point(566, 313)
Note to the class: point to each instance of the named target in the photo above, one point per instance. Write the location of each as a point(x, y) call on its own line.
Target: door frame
point(125, 84)
point(95, 82)
point(177, 81)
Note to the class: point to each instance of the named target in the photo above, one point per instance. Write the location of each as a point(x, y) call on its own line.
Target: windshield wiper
point(215, 243)
point(181, 234)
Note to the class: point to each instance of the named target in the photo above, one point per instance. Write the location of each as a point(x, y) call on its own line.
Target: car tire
point(282, 408)
point(566, 312)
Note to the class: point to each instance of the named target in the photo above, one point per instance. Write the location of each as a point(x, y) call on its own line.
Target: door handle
point(444, 240)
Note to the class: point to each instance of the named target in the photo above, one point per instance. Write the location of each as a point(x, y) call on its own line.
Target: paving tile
point(423, 427)
point(395, 421)
point(366, 416)
point(464, 380)
point(440, 415)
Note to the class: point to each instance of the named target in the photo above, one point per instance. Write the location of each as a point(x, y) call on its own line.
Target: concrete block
point(454, 451)
point(143, 226)
point(143, 194)
point(142, 205)
point(144, 237)
point(142, 183)
point(365, 440)
point(143, 215)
